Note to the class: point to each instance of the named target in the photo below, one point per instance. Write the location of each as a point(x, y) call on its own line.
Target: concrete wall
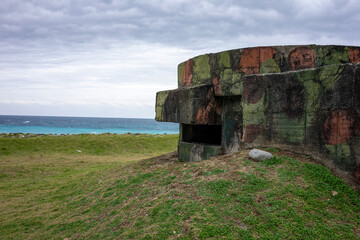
point(304, 98)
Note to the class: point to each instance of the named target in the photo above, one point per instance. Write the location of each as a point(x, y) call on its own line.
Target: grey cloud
point(49, 45)
point(173, 22)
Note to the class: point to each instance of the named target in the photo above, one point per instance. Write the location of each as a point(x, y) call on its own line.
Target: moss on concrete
point(269, 66)
point(181, 67)
point(330, 74)
point(201, 70)
point(231, 83)
point(313, 92)
point(224, 60)
point(328, 55)
point(210, 151)
point(184, 151)
point(254, 113)
point(160, 100)
point(195, 152)
point(291, 130)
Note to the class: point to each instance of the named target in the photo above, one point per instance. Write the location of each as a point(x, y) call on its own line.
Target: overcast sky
point(108, 58)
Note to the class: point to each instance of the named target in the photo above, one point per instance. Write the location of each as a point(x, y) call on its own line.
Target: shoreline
point(30, 135)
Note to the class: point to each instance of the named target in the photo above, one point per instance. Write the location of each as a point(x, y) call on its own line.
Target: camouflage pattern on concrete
point(305, 98)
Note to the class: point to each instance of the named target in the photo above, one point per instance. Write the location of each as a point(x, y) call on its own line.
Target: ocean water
point(78, 125)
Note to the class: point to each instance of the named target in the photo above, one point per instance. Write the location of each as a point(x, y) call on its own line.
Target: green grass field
point(113, 187)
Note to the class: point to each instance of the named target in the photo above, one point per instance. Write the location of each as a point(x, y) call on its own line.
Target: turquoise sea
point(78, 125)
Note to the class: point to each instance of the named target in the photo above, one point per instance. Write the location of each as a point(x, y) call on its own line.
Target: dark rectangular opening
point(208, 134)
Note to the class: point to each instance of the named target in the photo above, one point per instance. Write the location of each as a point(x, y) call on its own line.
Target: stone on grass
point(259, 155)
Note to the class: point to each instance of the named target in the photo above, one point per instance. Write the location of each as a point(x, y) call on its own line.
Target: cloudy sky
point(108, 58)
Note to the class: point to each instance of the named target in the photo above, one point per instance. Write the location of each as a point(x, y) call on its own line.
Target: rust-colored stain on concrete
point(217, 86)
point(209, 111)
point(252, 131)
point(187, 74)
point(302, 58)
point(252, 58)
point(340, 126)
point(253, 90)
point(354, 55)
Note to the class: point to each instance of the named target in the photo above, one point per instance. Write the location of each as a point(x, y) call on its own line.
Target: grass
point(106, 192)
point(102, 145)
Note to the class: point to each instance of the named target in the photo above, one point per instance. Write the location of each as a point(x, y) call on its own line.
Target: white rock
point(259, 155)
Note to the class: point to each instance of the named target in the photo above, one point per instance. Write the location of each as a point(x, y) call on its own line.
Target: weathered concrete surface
point(304, 98)
point(191, 152)
point(193, 105)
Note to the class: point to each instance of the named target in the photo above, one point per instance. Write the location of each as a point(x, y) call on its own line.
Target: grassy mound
point(101, 192)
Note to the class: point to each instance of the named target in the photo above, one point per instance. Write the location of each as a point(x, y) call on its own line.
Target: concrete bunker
point(302, 98)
